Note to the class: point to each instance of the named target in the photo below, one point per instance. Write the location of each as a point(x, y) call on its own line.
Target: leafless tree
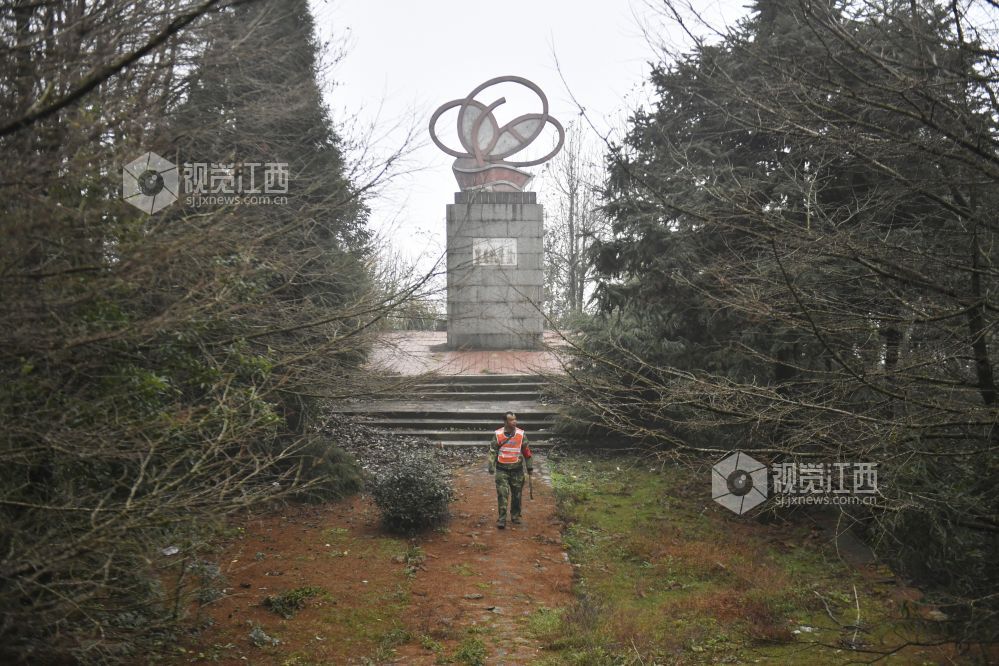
point(570, 185)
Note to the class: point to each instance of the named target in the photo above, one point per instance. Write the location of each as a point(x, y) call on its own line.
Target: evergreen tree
point(802, 266)
point(254, 100)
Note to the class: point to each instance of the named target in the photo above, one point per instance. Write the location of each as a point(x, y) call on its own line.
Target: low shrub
point(412, 493)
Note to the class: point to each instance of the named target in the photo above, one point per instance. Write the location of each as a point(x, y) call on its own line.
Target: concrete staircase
point(464, 410)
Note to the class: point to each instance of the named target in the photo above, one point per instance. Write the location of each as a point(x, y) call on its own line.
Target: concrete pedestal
point(494, 271)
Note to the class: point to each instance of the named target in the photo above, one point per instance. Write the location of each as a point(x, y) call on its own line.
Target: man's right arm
point(493, 451)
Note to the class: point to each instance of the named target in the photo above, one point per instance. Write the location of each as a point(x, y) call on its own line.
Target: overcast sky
point(403, 59)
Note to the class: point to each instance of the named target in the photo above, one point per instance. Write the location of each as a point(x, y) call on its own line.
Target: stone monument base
point(494, 271)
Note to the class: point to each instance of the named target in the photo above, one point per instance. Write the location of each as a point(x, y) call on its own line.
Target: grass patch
point(463, 569)
point(389, 641)
point(290, 602)
point(545, 624)
point(428, 643)
point(413, 558)
point(472, 652)
point(665, 576)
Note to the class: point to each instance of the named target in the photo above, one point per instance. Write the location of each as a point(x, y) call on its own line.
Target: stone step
point(481, 387)
point(455, 421)
point(485, 446)
point(457, 409)
point(493, 396)
point(444, 418)
point(481, 436)
point(486, 378)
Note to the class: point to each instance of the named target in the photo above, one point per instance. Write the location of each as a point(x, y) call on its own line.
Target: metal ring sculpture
point(502, 141)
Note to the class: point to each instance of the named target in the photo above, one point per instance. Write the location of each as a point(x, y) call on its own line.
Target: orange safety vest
point(509, 446)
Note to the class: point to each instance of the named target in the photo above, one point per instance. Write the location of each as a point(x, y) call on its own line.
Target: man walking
point(508, 453)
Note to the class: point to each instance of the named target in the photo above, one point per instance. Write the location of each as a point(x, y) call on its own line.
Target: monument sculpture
point(495, 274)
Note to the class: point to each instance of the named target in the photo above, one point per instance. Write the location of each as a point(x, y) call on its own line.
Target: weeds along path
point(477, 586)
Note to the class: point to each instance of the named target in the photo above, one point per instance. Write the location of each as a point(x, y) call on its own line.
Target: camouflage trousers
point(509, 487)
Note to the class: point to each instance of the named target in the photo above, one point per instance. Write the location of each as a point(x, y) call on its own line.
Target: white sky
point(405, 58)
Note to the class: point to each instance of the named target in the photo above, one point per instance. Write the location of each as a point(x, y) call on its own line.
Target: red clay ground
point(386, 599)
point(478, 575)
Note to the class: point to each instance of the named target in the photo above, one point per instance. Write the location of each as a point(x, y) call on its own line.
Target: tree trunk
point(977, 328)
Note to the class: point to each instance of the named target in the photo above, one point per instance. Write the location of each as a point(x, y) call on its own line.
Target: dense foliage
point(803, 266)
point(159, 371)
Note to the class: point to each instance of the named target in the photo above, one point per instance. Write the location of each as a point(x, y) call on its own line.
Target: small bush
point(412, 493)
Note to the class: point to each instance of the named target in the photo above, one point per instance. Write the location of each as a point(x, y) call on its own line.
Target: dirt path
point(467, 583)
point(480, 576)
